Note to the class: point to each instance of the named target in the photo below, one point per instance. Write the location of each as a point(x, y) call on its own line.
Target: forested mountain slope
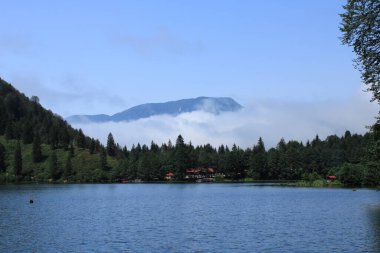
point(37, 145)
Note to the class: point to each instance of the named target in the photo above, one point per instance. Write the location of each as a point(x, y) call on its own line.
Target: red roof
point(170, 174)
point(331, 177)
point(194, 171)
point(191, 170)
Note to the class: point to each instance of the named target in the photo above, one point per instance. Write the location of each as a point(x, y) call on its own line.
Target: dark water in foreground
point(187, 218)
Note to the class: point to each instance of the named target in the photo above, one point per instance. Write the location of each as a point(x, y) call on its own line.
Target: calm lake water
point(187, 218)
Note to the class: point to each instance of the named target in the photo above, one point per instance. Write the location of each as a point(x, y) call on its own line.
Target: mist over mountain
point(207, 104)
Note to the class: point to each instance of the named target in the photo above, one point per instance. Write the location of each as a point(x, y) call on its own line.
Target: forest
point(37, 145)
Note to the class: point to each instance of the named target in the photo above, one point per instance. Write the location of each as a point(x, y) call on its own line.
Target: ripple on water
point(188, 218)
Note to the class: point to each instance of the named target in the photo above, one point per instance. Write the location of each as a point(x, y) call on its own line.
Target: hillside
point(39, 146)
point(50, 149)
point(208, 104)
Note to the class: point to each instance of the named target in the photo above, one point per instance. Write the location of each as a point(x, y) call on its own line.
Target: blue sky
point(90, 57)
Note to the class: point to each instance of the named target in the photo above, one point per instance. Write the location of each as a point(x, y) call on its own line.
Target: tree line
point(349, 157)
point(40, 146)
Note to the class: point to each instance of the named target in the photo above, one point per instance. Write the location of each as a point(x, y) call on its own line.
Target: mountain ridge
point(213, 105)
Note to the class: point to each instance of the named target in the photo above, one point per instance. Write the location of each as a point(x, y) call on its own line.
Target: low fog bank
point(267, 119)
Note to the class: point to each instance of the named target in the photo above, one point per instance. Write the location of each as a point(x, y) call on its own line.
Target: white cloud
point(267, 119)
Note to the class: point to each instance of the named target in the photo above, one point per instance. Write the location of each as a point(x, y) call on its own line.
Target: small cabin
point(169, 176)
point(331, 178)
point(199, 174)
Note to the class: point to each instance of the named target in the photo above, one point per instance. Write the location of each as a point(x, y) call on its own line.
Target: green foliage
point(351, 174)
point(111, 146)
point(361, 30)
point(81, 139)
point(3, 165)
point(27, 132)
point(181, 158)
point(372, 174)
point(258, 161)
point(92, 146)
point(310, 177)
point(68, 171)
point(36, 149)
point(54, 171)
point(237, 164)
point(314, 183)
point(17, 160)
point(103, 159)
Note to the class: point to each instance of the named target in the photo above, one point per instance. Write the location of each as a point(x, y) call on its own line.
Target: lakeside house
point(196, 174)
point(169, 176)
point(331, 178)
point(200, 174)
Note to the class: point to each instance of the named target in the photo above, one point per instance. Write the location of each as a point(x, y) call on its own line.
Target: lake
point(187, 218)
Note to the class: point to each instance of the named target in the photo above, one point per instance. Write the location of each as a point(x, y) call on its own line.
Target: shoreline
point(257, 183)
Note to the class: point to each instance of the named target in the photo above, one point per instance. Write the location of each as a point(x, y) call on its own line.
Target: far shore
point(274, 183)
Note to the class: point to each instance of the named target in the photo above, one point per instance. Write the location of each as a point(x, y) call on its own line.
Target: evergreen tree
point(27, 133)
point(10, 131)
point(81, 139)
point(54, 172)
point(3, 166)
point(92, 146)
point(222, 159)
point(372, 177)
point(144, 167)
point(17, 161)
point(53, 136)
point(236, 163)
point(273, 162)
point(294, 157)
point(258, 161)
point(125, 151)
point(103, 159)
point(181, 158)
point(111, 146)
point(68, 168)
point(36, 149)
point(71, 150)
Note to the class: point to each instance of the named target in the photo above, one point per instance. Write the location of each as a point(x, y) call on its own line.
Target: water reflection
point(374, 219)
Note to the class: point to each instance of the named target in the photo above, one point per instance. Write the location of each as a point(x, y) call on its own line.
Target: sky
point(282, 60)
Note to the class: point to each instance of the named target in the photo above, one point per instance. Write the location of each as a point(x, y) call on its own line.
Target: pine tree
point(10, 131)
point(81, 139)
point(235, 166)
point(68, 167)
point(258, 161)
point(92, 146)
point(2, 158)
point(54, 172)
point(17, 162)
point(27, 132)
point(103, 159)
point(71, 150)
point(111, 147)
point(181, 158)
point(36, 149)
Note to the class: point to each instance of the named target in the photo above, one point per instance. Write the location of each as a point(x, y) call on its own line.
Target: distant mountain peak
point(214, 105)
